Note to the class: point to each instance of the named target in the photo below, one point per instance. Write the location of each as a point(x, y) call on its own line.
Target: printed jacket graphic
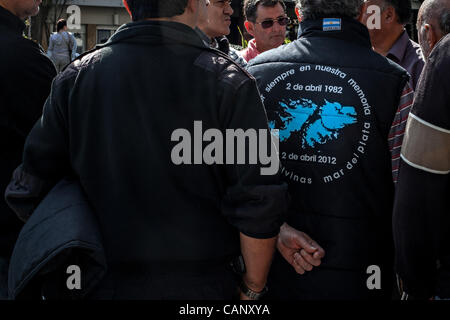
point(333, 101)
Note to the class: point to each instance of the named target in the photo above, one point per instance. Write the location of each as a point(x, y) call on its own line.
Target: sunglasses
point(282, 21)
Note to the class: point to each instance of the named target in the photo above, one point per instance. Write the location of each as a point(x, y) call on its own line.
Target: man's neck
point(184, 19)
point(7, 6)
point(260, 47)
point(383, 47)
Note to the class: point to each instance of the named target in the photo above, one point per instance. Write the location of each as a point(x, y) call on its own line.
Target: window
point(104, 33)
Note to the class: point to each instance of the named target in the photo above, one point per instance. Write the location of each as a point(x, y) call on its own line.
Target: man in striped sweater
point(397, 132)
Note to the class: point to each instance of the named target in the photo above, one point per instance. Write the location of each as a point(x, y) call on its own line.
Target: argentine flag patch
point(331, 24)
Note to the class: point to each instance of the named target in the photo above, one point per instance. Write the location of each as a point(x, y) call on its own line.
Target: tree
point(44, 23)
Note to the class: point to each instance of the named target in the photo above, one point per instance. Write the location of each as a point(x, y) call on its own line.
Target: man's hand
point(299, 249)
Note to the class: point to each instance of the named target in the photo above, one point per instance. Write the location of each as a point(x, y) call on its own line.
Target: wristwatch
point(250, 293)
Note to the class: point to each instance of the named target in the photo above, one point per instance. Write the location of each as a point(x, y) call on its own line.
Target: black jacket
point(62, 232)
point(422, 204)
point(25, 78)
point(333, 100)
point(110, 119)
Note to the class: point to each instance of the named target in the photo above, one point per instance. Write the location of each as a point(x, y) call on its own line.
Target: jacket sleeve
point(421, 218)
point(3, 278)
point(27, 75)
point(45, 158)
point(255, 201)
point(34, 72)
point(420, 227)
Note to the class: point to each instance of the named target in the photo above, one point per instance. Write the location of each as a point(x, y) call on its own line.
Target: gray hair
point(316, 9)
point(435, 9)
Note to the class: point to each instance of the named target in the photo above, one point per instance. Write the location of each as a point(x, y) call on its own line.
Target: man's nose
point(278, 28)
point(228, 9)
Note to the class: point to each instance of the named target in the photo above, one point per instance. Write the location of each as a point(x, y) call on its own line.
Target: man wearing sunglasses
point(266, 21)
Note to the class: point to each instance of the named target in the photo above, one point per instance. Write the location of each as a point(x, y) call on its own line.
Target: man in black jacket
point(25, 79)
point(214, 29)
point(422, 205)
point(170, 228)
point(323, 92)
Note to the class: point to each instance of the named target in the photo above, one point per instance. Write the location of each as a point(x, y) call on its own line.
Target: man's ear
point(362, 10)
point(125, 3)
point(389, 15)
point(430, 35)
point(192, 6)
point(250, 27)
point(297, 13)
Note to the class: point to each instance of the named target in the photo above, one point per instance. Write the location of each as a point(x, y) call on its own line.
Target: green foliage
point(244, 42)
point(28, 26)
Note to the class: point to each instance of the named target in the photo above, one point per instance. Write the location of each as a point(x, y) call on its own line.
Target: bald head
point(433, 22)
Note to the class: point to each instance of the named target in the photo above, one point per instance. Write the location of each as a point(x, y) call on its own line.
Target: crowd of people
point(359, 207)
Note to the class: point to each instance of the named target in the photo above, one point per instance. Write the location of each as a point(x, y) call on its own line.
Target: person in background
point(170, 229)
point(333, 100)
point(62, 46)
point(422, 205)
point(391, 39)
point(266, 21)
point(216, 26)
point(26, 76)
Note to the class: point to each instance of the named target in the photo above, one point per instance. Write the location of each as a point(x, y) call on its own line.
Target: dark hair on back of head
point(251, 6)
point(146, 9)
point(402, 8)
point(318, 9)
point(60, 24)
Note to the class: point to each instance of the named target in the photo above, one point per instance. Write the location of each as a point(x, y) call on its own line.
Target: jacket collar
point(350, 29)
point(206, 40)
point(149, 31)
point(10, 21)
point(398, 49)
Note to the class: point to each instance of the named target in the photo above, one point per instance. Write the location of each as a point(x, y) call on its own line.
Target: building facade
point(98, 20)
